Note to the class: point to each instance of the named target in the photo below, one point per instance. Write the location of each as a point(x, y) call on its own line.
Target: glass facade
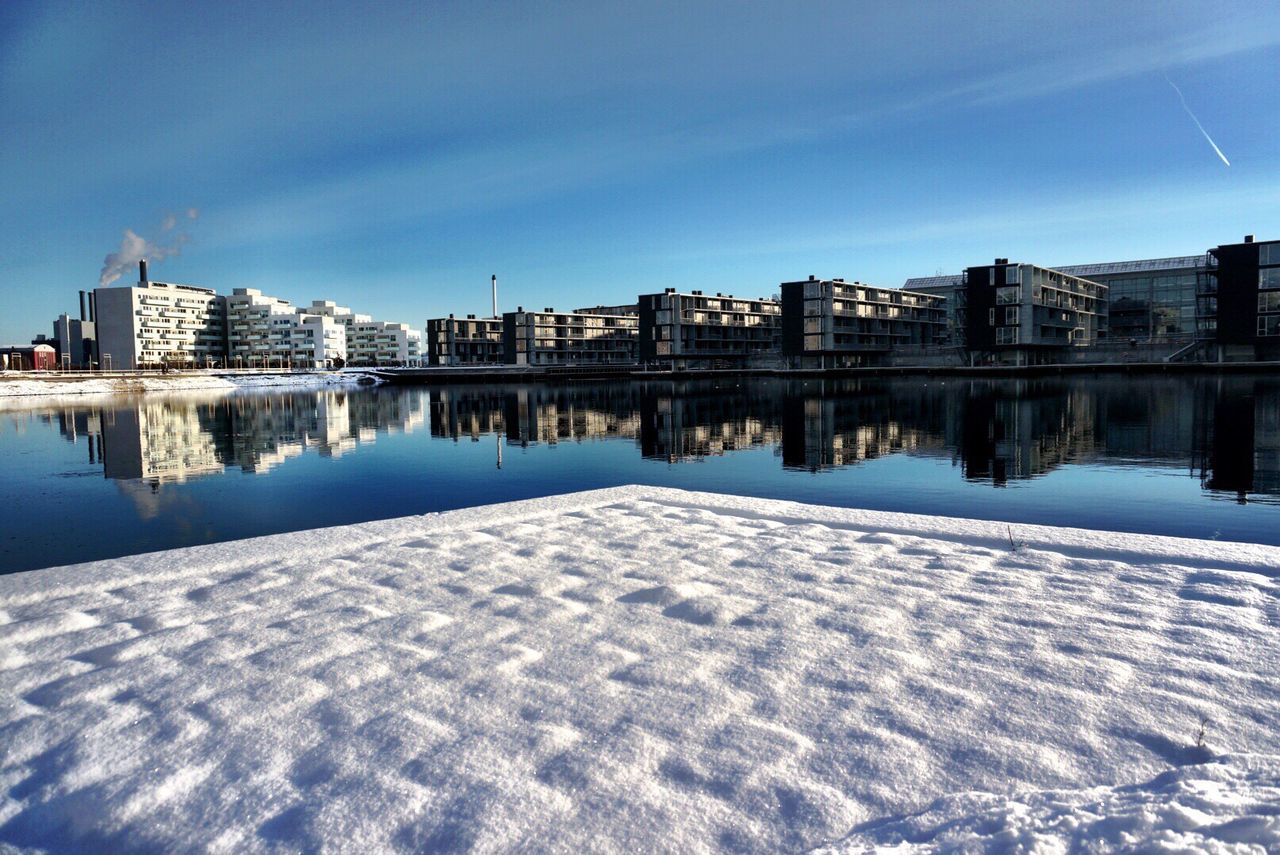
point(1150, 299)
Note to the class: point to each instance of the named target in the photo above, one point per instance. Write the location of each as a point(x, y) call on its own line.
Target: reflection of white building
point(160, 441)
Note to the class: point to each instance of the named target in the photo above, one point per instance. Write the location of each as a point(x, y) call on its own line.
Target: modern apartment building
point(381, 343)
point(696, 330)
point(951, 288)
point(568, 338)
point(1239, 301)
point(1152, 299)
point(464, 341)
point(159, 323)
point(264, 331)
point(831, 323)
point(1026, 315)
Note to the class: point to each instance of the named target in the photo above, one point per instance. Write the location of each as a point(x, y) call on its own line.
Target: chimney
point(494, 281)
point(83, 309)
point(811, 277)
point(142, 272)
point(93, 305)
point(1248, 238)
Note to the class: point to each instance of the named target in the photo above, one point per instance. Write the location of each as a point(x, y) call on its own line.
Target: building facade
point(1239, 301)
point(31, 357)
point(1151, 299)
point(696, 330)
point(268, 332)
point(373, 343)
point(831, 323)
point(155, 324)
point(1026, 315)
point(77, 342)
point(568, 338)
point(464, 341)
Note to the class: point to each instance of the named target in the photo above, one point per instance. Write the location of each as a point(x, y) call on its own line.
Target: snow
point(1229, 803)
point(648, 669)
point(17, 390)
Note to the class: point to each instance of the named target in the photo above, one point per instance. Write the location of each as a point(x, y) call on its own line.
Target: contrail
point(1197, 121)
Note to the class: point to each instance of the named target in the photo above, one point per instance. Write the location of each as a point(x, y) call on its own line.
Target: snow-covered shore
point(15, 389)
point(644, 668)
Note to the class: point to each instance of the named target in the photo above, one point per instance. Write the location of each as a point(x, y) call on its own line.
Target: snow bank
point(15, 389)
point(313, 380)
point(639, 669)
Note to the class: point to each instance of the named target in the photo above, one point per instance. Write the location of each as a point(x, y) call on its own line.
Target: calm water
point(1198, 456)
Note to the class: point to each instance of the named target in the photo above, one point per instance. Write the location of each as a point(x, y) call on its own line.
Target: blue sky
point(393, 157)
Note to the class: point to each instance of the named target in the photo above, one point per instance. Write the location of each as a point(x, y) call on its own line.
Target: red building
point(32, 357)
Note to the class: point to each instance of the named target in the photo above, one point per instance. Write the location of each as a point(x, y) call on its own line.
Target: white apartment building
point(270, 332)
point(159, 323)
point(163, 323)
point(370, 342)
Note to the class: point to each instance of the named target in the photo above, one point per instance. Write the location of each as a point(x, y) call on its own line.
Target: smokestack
point(494, 281)
point(82, 307)
point(142, 271)
point(93, 305)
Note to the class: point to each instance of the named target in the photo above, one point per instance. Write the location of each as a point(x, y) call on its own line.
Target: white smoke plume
point(134, 248)
point(1217, 150)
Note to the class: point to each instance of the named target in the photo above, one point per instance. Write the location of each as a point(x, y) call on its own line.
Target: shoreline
point(16, 387)
point(512, 373)
point(642, 667)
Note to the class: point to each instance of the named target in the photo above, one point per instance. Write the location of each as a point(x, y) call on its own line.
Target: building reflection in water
point(174, 439)
point(1223, 430)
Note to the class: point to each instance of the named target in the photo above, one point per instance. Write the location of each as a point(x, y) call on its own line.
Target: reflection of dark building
point(1012, 430)
point(828, 424)
point(1238, 436)
point(689, 421)
point(551, 414)
point(473, 412)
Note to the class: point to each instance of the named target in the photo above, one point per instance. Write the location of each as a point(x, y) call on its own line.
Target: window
point(1007, 335)
point(1269, 253)
point(1011, 275)
point(1269, 325)
point(1269, 301)
point(1011, 315)
point(1269, 277)
point(991, 317)
point(1008, 294)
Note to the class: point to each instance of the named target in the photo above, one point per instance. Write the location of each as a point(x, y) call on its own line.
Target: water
point(1191, 456)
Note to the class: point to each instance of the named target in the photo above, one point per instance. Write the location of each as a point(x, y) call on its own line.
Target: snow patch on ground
point(643, 668)
point(19, 390)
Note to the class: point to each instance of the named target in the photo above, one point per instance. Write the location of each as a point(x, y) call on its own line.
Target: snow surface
point(648, 669)
point(17, 390)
